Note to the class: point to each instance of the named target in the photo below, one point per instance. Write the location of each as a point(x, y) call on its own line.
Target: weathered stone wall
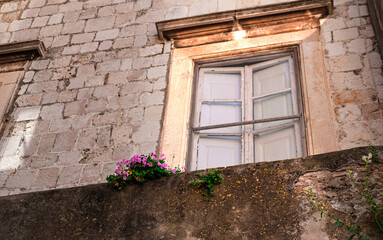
point(255, 201)
point(98, 95)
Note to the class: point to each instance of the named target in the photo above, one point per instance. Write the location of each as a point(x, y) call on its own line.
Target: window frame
point(264, 57)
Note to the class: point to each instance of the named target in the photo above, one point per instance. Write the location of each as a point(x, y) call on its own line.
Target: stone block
point(50, 97)
point(40, 64)
point(160, 60)
point(121, 134)
point(106, 119)
point(25, 35)
point(9, 7)
point(9, 146)
point(36, 3)
point(357, 46)
point(139, 63)
point(71, 50)
point(107, 34)
point(37, 127)
point(348, 113)
point(371, 111)
point(140, 41)
point(60, 62)
point(47, 178)
point(123, 42)
point(19, 25)
point(133, 30)
point(49, 10)
point(142, 4)
point(82, 38)
point(105, 45)
point(30, 13)
point(106, 11)
point(89, 47)
point(375, 60)
point(71, 6)
point(60, 125)
point(98, 24)
point(160, 84)
point(38, 162)
point(335, 49)
point(88, 13)
point(157, 72)
point(354, 96)
point(63, 73)
point(103, 137)
point(21, 179)
point(56, 19)
point(3, 27)
point(137, 75)
point(136, 87)
point(346, 63)
point(61, 41)
point(134, 116)
point(69, 175)
point(40, 21)
point(73, 27)
point(29, 100)
point(126, 64)
point(108, 169)
point(27, 113)
point(84, 94)
point(74, 108)
point(181, 11)
point(52, 30)
point(150, 51)
point(95, 81)
point(106, 91)
point(118, 78)
point(4, 37)
point(345, 34)
point(54, 111)
point(146, 132)
point(149, 99)
point(82, 121)
point(69, 158)
point(65, 141)
point(109, 66)
point(67, 96)
point(152, 16)
point(87, 139)
point(9, 163)
point(96, 105)
point(71, 17)
point(353, 11)
point(91, 173)
point(29, 145)
point(123, 20)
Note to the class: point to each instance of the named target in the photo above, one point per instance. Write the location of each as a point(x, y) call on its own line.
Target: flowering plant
point(140, 168)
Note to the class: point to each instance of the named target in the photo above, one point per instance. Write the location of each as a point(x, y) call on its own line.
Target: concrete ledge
point(255, 201)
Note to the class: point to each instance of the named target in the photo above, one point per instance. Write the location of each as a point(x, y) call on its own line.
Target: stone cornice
point(21, 51)
point(250, 19)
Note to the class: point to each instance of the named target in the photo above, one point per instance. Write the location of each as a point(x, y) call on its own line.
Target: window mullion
point(248, 85)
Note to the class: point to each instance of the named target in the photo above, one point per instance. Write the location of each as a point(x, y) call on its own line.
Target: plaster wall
point(98, 96)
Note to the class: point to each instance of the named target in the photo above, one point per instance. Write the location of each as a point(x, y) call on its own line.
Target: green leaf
point(336, 223)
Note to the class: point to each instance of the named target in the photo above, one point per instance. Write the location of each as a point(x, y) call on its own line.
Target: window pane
point(221, 86)
point(220, 151)
point(277, 105)
point(275, 145)
point(271, 79)
point(219, 113)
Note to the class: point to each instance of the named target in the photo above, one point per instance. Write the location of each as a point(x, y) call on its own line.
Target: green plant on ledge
point(376, 209)
point(208, 181)
point(139, 169)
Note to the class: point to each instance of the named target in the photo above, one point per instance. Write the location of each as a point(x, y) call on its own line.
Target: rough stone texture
point(106, 69)
point(254, 201)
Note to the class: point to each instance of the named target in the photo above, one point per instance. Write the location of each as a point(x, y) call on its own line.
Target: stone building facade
point(99, 92)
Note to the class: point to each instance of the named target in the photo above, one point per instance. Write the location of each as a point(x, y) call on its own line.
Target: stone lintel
point(21, 51)
point(274, 16)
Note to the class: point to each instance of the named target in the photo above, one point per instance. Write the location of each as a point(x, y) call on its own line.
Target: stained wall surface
point(255, 201)
point(99, 94)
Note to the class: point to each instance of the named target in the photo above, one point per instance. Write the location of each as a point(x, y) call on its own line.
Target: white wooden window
point(247, 113)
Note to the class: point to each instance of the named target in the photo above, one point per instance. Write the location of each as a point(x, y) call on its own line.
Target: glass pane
point(219, 113)
point(221, 86)
point(271, 79)
point(220, 151)
point(275, 145)
point(277, 105)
